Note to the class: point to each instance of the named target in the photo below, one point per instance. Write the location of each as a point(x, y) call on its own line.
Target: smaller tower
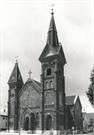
point(15, 83)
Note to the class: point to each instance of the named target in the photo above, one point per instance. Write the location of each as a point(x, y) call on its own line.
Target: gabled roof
point(3, 113)
point(50, 51)
point(36, 82)
point(31, 82)
point(70, 100)
point(15, 75)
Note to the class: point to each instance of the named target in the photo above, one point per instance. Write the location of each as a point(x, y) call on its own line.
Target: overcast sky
point(24, 27)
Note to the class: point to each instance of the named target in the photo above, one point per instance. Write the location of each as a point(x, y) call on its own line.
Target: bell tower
point(52, 61)
point(15, 83)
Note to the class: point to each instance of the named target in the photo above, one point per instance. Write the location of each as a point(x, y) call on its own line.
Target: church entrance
point(33, 123)
point(26, 123)
point(49, 123)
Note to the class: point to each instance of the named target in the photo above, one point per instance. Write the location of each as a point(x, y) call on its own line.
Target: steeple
point(15, 75)
point(53, 48)
point(52, 37)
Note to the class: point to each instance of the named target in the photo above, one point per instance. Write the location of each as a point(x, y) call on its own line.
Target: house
point(3, 120)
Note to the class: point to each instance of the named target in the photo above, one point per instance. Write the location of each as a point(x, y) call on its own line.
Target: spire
point(53, 48)
point(52, 37)
point(15, 75)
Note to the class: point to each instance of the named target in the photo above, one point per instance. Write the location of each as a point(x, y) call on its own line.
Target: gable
point(29, 96)
point(48, 51)
point(70, 100)
point(78, 102)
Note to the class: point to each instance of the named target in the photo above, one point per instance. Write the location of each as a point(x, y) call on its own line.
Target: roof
point(70, 100)
point(15, 75)
point(90, 115)
point(38, 83)
point(3, 113)
point(32, 80)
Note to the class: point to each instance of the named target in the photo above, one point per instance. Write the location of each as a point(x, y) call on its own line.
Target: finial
point(29, 73)
point(16, 59)
point(52, 8)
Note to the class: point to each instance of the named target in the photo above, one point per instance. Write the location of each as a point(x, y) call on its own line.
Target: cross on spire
point(52, 7)
point(16, 59)
point(29, 73)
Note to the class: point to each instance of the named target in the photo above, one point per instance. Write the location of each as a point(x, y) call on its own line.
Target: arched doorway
point(32, 122)
point(26, 123)
point(49, 123)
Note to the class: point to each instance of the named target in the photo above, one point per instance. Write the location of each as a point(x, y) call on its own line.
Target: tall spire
point(53, 48)
point(52, 37)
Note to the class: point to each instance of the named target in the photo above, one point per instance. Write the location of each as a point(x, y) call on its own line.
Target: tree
point(90, 92)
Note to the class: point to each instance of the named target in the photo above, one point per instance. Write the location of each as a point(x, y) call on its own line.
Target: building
point(41, 106)
point(3, 120)
point(87, 121)
point(74, 112)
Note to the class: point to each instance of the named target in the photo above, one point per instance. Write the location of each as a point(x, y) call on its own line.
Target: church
point(43, 106)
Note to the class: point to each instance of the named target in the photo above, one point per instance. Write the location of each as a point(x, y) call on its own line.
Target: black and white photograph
point(47, 67)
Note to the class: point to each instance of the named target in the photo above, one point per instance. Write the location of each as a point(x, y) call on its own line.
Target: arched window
point(51, 84)
point(47, 85)
point(37, 119)
point(60, 98)
point(32, 102)
point(48, 99)
point(49, 71)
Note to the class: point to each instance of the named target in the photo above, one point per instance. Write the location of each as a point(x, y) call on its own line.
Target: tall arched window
point(47, 85)
point(51, 84)
point(48, 99)
point(49, 71)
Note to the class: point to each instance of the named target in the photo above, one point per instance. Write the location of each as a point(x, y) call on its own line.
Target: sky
point(24, 27)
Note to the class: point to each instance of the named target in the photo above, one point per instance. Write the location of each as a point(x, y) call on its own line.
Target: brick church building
point(43, 105)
